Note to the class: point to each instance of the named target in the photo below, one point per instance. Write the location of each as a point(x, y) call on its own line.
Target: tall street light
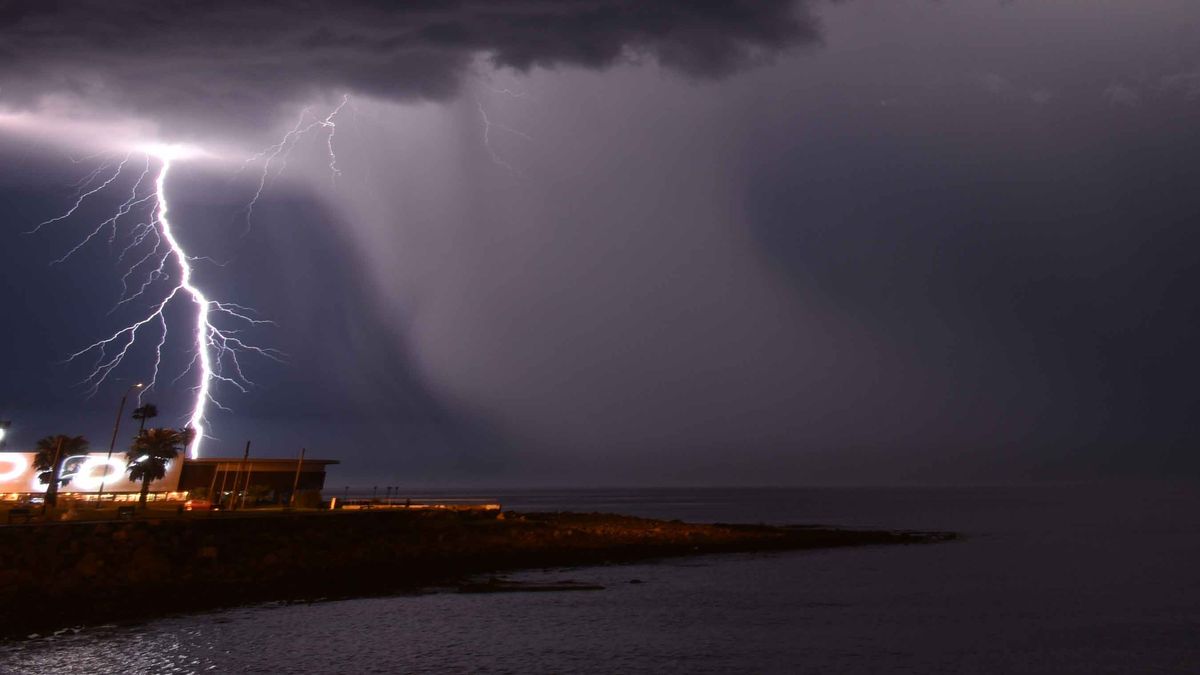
point(113, 443)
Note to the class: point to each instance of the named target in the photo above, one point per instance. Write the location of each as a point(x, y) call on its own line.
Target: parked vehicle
point(199, 505)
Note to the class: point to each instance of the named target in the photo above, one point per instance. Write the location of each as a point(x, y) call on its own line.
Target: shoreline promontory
point(61, 575)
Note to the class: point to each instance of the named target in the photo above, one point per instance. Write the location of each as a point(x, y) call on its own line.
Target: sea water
point(1049, 579)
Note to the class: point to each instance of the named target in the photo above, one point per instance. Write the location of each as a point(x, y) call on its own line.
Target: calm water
point(1051, 580)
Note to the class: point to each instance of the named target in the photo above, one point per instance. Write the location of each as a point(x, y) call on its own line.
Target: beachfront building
point(274, 478)
point(88, 475)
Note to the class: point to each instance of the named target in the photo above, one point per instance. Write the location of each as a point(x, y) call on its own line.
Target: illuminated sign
point(82, 473)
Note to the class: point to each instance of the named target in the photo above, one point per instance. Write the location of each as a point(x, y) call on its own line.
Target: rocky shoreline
point(60, 575)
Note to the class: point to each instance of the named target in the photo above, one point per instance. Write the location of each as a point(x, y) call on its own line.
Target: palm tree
point(51, 452)
point(147, 460)
point(144, 412)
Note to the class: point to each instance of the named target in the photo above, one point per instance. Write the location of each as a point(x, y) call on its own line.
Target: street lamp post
point(113, 443)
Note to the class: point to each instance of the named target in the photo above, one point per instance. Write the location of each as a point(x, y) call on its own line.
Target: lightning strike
point(278, 153)
point(487, 142)
point(328, 123)
point(504, 91)
point(215, 347)
point(161, 269)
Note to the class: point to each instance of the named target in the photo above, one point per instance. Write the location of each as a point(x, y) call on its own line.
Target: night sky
point(625, 243)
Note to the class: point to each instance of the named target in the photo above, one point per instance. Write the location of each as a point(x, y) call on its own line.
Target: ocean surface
point(1075, 579)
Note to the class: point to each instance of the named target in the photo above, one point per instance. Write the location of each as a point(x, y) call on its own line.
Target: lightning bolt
point(487, 141)
point(162, 268)
point(278, 153)
point(215, 346)
point(503, 91)
point(329, 124)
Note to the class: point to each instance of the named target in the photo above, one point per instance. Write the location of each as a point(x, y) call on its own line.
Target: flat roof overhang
point(260, 460)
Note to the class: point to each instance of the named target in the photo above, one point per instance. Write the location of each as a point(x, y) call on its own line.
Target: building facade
point(90, 474)
point(273, 477)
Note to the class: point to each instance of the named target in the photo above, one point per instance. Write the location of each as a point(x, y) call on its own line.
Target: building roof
point(258, 461)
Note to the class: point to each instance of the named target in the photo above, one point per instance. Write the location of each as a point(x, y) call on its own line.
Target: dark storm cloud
point(956, 244)
point(234, 62)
